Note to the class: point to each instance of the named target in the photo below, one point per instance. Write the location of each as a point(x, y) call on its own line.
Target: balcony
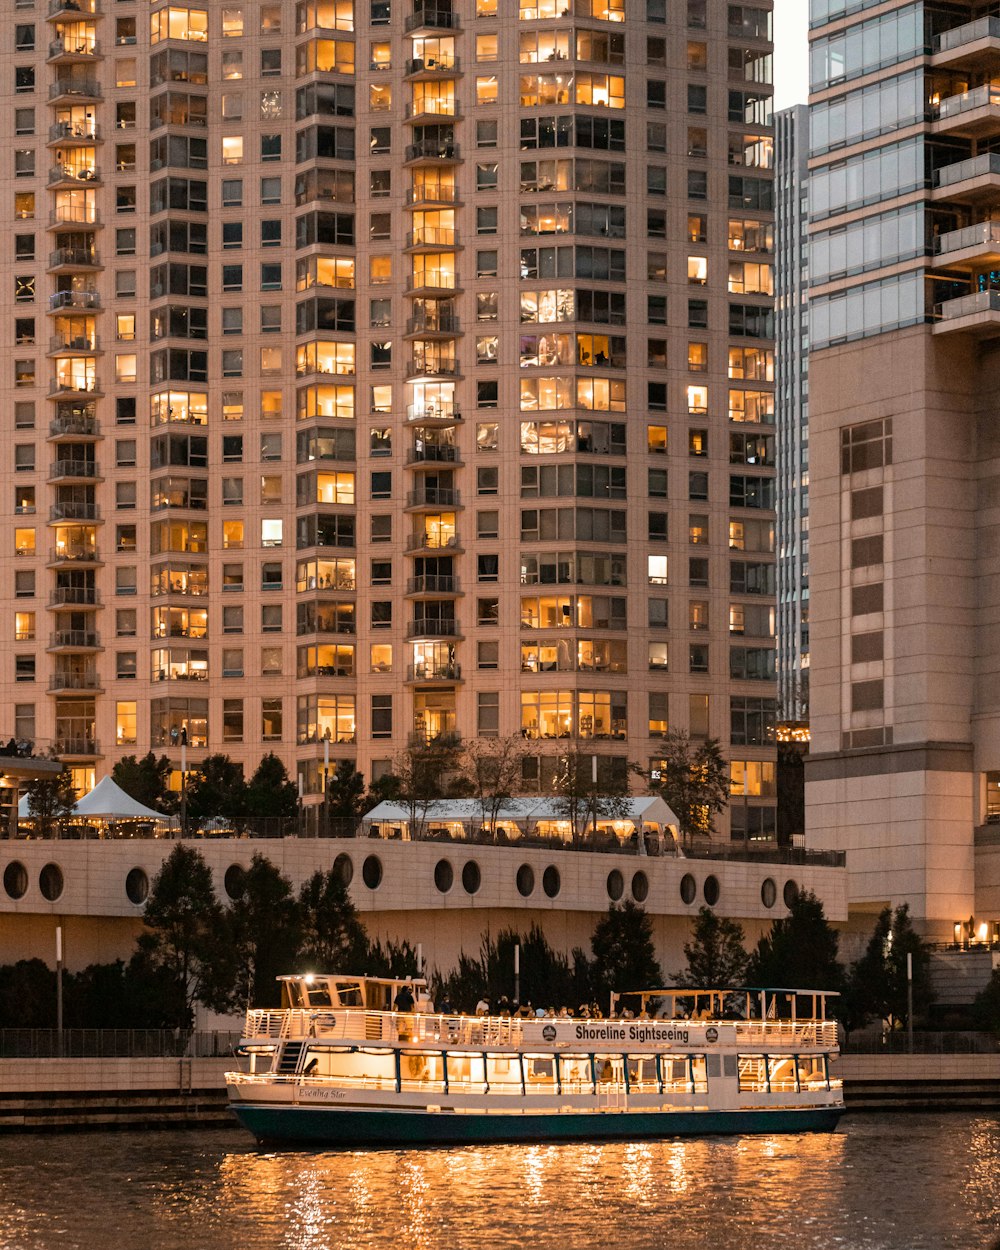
point(433, 151)
point(432, 20)
point(447, 739)
point(74, 470)
point(70, 557)
point(75, 90)
point(433, 284)
point(75, 133)
point(428, 541)
point(426, 673)
point(73, 51)
point(82, 215)
point(443, 327)
point(73, 10)
point(66, 388)
point(86, 301)
point(60, 683)
point(977, 314)
point(433, 584)
point(61, 344)
point(75, 597)
point(429, 68)
point(69, 176)
point(75, 510)
point(74, 640)
point(69, 258)
point(422, 367)
point(432, 454)
point(427, 112)
point(973, 114)
point(77, 746)
point(434, 414)
point(432, 239)
point(976, 247)
point(433, 497)
point(74, 425)
point(968, 47)
point(447, 628)
point(432, 195)
point(972, 181)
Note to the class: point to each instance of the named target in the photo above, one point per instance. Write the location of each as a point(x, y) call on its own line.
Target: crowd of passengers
point(506, 1008)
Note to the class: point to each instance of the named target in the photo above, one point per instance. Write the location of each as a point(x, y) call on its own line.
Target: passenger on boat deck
point(644, 1014)
point(584, 1012)
point(445, 1007)
point(482, 1008)
point(627, 1015)
point(404, 999)
point(595, 1012)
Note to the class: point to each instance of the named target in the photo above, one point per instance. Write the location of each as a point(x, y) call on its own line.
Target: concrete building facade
point(390, 371)
point(905, 699)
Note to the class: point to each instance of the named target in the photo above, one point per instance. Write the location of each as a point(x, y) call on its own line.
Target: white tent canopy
point(642, 808)
point(107, 801)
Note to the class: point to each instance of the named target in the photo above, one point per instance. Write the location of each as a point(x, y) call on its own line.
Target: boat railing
point(787, 1032)
point(385, 1027)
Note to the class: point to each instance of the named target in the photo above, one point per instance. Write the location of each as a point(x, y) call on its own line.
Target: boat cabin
point(313, 991)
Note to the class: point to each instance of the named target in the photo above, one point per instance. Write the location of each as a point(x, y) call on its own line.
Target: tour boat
point(339, 1066)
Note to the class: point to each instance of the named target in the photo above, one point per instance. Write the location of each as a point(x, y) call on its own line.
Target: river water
point(893, 1182)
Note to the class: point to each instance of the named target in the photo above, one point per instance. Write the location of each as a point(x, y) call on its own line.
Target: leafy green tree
point(333, 937)
point(391, 959)
point(50, 803)
point(695, 782)
point(878, 983)
point(27, 995)
point(269, 792)
point(716, 956)
point(463, 986)
point(265, 934)
point(624, 954)
point(384, 789)
point(986, 1005)
point(216, 790)
point(345, 793)
point(147, 780)
point(184, 939)
point(800, 951)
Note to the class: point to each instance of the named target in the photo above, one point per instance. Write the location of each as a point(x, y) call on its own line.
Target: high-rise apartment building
point(791, 147)
point(904, 186)
point(388, 371)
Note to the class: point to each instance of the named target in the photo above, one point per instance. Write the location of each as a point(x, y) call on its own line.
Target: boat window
point(753, 1073)
point(609, 1070)
point(467, 1071)
point(699, 1074)
point(421, 1069)
point(503, 1072)
point(318, 995)
point(642, 1078)
point(540, 1072)
point(812, 1072)
point(348, 1066)
point(675, 1073)
point(349, 993)
point(781, 1074)
point(576, 1074)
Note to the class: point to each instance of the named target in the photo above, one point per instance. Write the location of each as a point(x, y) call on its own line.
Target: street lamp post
point(59, 991)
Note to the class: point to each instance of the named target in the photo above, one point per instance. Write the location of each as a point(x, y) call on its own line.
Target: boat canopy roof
point(749, 1001)
point(312, 990)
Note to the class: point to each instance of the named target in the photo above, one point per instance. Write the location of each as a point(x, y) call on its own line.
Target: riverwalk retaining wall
point(60, 1094)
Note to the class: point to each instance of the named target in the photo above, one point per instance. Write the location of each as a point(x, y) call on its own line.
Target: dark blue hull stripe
point(321, 1126)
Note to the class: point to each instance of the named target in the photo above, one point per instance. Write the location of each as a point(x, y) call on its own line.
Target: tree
point(800, 951)
point(695, 783)
point(583, 798)
point(264, 932)
point(384, 789)
point(184, 936)
point(216, 790)
point(624, 955)
point(345, 793)
point(269, 792)
point(716, 957)
point(50, 803)
point(391, 959)
point(422, 772)
point(986, 1005)
point(27, 995)
point(878, 982)
point(333, 937)
point(147, 780)
point(492, 767)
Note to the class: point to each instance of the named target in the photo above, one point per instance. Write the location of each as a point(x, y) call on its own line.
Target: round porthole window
point(472, 878)
point(640, 887)
point(343, 869)
point(15, 879)
point(50, 882)
point(712, 890)
point(137, 886)
point(768, 892)
point(444, 876)
point(616, 885)
point(551, 882)
point(232, 882)
point(689, 888)
point(525, 880)
point(371, 872)
point(790, 893)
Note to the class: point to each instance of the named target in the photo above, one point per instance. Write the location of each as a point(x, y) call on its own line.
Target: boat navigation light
point(309, 978)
